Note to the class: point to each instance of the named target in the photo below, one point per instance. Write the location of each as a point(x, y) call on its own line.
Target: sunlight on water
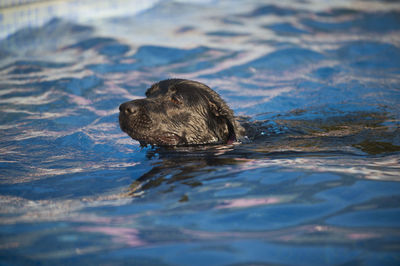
point(316, 183)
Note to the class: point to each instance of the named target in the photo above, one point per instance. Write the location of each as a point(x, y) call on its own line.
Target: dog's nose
point(128, 108)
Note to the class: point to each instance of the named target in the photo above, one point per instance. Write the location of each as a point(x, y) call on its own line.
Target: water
point(320, 185)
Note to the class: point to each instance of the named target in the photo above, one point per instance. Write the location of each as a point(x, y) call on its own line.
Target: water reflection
point(321, 143)
point(182, 166)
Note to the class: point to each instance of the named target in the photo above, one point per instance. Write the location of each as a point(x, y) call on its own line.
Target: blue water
point(320, 185)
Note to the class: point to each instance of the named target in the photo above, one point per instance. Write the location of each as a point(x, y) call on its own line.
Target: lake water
point(320, 185)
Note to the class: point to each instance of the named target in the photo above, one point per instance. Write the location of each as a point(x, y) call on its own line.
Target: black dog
point(179, 112)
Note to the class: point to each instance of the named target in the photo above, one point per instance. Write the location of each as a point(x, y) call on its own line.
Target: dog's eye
point(175, 100)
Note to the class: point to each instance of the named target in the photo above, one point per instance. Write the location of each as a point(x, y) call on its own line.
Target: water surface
point(320, 184)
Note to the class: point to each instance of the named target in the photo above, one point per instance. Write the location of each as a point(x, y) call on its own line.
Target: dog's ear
point(224, 115)
point(223, 123)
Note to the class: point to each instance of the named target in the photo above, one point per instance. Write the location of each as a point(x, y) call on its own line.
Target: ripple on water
point(317, 86)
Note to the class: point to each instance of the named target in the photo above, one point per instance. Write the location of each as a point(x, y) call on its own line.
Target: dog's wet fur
point(180, 112)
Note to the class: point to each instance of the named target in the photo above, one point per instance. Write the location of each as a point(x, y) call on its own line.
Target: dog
point(180, 112)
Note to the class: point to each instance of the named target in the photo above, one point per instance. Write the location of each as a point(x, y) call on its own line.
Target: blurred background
point(18, 14)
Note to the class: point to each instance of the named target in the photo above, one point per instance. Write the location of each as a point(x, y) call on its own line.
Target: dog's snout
point(128, 108)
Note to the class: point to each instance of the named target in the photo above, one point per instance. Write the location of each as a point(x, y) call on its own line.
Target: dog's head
point(179, 112)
